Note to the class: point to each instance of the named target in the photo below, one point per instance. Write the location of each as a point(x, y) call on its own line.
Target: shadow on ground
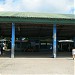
point(7, 54)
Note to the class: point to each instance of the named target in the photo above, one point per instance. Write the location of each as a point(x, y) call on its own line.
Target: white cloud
point(31, 4)
point(74, 6)
point(50, 6)
point(1, 9)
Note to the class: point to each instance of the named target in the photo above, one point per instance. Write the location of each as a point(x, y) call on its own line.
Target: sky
point(42, 6)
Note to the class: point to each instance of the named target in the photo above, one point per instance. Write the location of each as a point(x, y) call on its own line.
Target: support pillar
point(54, 41)
point(13, 40)
point(39, 44)
point(61, 46)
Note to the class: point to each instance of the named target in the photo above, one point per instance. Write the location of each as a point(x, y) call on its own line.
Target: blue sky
point(43, 6)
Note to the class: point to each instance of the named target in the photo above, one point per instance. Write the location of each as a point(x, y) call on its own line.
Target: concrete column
point(69, 47)
point(61, 46)
point(54, 41)
point(13, 40)
point(39, 44)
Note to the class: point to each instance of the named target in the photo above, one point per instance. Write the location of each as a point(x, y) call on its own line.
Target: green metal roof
point(32, 17)
point(36, 15)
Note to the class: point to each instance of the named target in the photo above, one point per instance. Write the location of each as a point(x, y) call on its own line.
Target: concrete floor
point(37, 63)
point(34, 66)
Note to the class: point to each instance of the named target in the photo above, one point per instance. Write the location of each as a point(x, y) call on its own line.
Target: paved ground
point(34, 66)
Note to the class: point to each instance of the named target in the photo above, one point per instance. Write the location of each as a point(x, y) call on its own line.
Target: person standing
point(73, 53)
point(1, 49)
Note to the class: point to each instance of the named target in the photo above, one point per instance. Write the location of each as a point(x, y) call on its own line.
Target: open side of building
point(37, 31)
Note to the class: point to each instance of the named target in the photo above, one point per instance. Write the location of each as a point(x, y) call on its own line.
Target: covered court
point(37, 32)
